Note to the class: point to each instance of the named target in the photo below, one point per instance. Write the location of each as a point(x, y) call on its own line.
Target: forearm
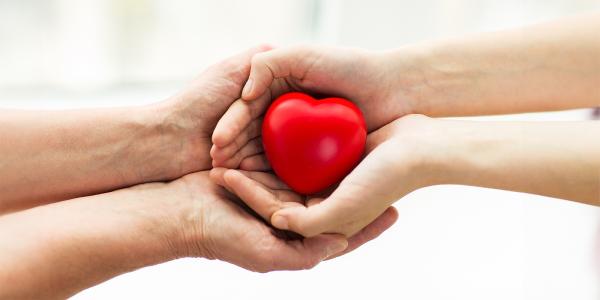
point(56, 155)
point(54, 251)
point(551, 66)
point(554, 159)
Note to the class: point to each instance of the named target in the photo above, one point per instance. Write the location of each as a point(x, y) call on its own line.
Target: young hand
point(362, 77)
point(556, 159)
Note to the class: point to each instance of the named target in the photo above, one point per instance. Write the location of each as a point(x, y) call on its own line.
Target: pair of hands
point(404, 151)
point(218, 228)
point(393, 145)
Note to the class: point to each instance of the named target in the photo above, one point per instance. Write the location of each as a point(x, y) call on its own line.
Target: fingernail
point(335, 248)
point(247, 88)
point(280, 222)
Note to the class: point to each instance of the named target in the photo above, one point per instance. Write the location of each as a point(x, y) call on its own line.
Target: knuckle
point(258, 59)
point(304, 229)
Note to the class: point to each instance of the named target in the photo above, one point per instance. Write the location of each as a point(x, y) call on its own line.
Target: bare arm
point(557, 159)
point(550, 66)
point(56, 155)
point(56, 250)
point(46, 156)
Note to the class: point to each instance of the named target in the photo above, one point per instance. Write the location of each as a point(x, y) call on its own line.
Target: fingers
point(262, 192)
point(372, 231)
point(236, 67)
point(241, 114)
point(307, 253)
point(251, 148)
point(251, 131)
point(257, 162)
point(307, 221)
point(359, 199)
point(278, 63)
point(322, 247)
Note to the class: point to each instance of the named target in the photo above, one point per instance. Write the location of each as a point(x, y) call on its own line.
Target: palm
point(348, 73)
point(265, 194)
point(197, 109)
point(226, 231)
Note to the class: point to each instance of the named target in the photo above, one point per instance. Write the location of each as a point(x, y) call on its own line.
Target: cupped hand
point(265, 194)
point(363, 77)
point(193, 113)
point(216, 226)
point(394, 166)
point(398, 162)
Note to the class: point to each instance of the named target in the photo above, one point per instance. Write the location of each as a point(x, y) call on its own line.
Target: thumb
point(270, 65)
point(309, 221)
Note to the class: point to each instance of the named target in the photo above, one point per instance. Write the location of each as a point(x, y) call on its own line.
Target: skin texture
point(518, 156)
point(68, 154)
point(537, 68)
point(88, 240)
point(513, 156)
point(59, 246)
point(266, 194)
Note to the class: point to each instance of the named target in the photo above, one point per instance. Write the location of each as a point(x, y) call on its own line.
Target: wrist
point(455, 152)
point(173, 145)
point(100, 236)
point(424, 145)
point(171, 216)
point(190, 202)
point(408, 74)
point(432, 79)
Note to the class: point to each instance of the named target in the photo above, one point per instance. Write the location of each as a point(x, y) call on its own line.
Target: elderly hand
point(88, 240)
point(193, 113)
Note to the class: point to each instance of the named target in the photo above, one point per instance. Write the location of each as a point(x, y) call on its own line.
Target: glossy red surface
point(312, 144)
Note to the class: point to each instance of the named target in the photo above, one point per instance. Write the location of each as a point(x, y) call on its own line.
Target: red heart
point(312, 144)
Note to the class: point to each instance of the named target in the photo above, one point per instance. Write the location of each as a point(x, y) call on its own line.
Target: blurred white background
point(451, 242)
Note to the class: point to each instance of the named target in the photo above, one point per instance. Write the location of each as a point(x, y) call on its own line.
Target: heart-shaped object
point(312, 144)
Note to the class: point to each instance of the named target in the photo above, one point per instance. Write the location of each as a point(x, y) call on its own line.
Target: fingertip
point(393, 213)
point(213, 173)
point(248, 89)
point(225, 131)
point(246, 165)
point(279, 221)
point(337, 246)
point(262, 47)
point(218, 154)
point(265, 47)
point(216, 175)
point(330, 244)
point(255, 84)
point(218, 164)
point(219, 138)
point(212, 151)
point(232, 177)
point(294, 218)
point(255, 163)
point(389, 218)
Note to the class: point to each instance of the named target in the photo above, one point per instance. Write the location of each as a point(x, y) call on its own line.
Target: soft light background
point(451, 242)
